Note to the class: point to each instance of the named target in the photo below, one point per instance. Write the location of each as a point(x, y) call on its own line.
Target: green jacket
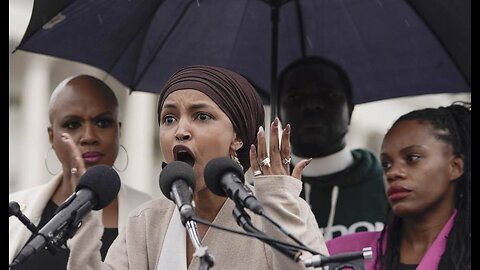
point(361, 203)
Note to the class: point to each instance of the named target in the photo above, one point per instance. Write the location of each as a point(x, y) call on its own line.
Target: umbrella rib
point(162, 43)
point(114, 63)
point(465, 72)
point(237, 35)
point(301, 31)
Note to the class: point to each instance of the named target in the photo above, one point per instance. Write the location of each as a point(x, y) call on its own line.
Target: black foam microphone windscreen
point(216, 169)
point(105, 183)
point(174, 171)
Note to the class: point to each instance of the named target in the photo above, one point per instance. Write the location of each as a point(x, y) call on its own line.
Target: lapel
point(431, 259)
point(32, 204)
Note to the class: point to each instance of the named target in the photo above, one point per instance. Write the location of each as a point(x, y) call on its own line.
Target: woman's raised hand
point(277, 160)
point(77, 165)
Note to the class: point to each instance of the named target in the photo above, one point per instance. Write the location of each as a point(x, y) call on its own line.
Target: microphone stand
point(53, 242)
point(206, 260)
point(56, 240)
point(334, 262)
point(244, 221)
point(350, 260)
point(15, 211)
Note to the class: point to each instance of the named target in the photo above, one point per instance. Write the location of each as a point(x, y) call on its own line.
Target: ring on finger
point(74, 171)
point(264, 162)
point(286, 161)
point(257, 173)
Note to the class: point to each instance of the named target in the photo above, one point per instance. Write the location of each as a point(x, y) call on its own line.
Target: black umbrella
point(387, 48)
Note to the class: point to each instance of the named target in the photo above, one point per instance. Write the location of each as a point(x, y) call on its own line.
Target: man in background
point(344, 187)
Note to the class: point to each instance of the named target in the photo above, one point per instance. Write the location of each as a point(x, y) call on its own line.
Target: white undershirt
point(326, 165)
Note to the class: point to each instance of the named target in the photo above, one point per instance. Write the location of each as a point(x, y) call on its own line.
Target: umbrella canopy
point(386, 47)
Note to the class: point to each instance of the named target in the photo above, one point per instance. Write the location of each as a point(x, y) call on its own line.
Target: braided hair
point(456, 121)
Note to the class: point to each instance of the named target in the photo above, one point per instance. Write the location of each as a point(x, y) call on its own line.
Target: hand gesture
point(76, 168)
point(277, 160)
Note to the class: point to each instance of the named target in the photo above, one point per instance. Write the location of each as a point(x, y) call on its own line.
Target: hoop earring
point(45, 159)
point(235, 158)
point(126, 155)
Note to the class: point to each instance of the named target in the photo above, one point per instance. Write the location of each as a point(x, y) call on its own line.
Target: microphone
point(349, 258)
point(97, 188)
point(225, 178)
point(15, 210)
point(177, 182)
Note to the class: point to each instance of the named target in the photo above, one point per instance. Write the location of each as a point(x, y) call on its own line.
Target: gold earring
point(235, 158)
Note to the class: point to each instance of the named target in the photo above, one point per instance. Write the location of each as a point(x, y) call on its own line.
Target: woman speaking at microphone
point(204, 113)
